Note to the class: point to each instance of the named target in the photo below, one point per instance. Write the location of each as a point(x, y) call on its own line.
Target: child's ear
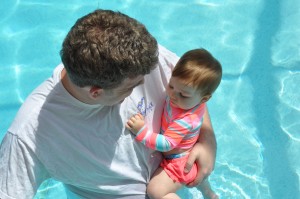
point(95, 91)
point(205, 98)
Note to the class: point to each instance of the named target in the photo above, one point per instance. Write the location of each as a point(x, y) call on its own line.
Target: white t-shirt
point(87, 147)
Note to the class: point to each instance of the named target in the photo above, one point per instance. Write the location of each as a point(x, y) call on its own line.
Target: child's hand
point(135, 123)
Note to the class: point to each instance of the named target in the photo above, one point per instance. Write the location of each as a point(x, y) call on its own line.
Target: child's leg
point(161, 186)
point(206, 190)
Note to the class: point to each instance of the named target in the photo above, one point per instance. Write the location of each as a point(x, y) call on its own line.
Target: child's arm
point(135, 123)
point(160, 142)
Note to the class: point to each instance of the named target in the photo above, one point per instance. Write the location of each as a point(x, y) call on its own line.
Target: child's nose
point(173, 94)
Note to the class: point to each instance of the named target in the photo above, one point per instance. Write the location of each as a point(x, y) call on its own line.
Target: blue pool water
point(255, 112)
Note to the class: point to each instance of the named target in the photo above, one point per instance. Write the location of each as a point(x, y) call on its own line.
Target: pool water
point(255, 111)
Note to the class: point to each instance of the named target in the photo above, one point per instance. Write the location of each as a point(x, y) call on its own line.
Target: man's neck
point(79, 93)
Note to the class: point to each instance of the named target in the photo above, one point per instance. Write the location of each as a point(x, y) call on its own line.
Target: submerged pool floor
point(255, 111)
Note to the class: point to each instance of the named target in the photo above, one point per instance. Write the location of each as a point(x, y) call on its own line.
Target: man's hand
point(204, 160)
point(135, 123)
point(203, 152)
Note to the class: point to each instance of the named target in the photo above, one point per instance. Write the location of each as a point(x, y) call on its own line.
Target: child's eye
point(183, 96)
point(170, 86)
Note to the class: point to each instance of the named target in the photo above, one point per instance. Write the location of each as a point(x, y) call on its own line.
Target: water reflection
point(255, 111)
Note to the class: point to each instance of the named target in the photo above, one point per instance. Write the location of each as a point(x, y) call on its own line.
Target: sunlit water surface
point(255, 111)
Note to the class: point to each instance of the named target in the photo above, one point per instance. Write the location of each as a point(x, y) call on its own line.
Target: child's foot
point(206, 190)
point(210, 194)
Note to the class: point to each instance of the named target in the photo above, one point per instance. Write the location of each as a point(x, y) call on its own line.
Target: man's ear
point(95, 91)
point(205, 98)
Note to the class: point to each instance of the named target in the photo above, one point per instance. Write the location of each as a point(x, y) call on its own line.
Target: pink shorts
point(175, 169)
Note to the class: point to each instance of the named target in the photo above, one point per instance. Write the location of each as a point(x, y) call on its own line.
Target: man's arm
point(204, 151)
point(21, 173)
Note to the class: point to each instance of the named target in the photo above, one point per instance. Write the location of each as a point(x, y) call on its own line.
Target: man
point(72, 127)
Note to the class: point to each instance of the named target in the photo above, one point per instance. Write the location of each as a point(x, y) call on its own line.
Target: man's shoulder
point(28, 116)
point(167, 55)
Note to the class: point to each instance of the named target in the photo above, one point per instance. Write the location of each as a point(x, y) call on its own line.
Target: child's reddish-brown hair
point(199, 69)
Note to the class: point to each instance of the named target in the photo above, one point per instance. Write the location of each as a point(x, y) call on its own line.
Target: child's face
point(183, 96)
